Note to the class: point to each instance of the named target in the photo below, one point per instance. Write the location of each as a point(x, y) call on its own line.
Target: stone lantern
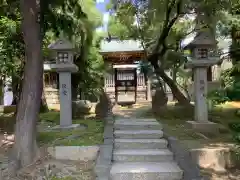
point(62, 49)
point(203, 55)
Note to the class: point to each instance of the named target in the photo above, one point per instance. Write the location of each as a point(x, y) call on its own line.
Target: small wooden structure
point(123, 81)
point(126, 84)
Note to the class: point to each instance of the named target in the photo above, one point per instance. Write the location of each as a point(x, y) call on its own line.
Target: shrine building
point(123, 80)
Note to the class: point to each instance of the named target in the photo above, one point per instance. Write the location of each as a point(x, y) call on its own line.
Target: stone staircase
point(141, 153)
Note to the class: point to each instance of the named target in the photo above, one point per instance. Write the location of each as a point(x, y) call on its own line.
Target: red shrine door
point(125, 86)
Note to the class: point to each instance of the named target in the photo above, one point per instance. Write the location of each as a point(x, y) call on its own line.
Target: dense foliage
point(26, 29)
point(75, 19)
point(161, 26)
point(230, 78)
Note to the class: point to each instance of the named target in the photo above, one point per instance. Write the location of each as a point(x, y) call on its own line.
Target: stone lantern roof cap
point(61, 44)
point(202, 38)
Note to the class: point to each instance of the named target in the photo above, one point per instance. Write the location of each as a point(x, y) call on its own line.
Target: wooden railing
point(109, 81)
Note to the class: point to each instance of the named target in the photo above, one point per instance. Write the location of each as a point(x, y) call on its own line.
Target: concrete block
point(217, 159)
point(74, 153)
point(208, 127)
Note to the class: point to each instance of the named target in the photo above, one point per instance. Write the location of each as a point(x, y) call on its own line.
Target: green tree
point(234, 91)
point(161, 25)
point(228, 26)
point(27, 27)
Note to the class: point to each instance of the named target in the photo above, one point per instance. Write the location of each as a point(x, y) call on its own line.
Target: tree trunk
point(30, 99)
point(176, 92)
point(1, 91)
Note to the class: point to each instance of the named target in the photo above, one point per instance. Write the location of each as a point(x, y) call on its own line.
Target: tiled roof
point(120, 46)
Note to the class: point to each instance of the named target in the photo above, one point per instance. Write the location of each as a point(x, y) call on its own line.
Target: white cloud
point(100, 1)
point(105, 17)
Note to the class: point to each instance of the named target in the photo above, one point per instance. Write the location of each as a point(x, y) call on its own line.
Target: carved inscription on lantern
point(202, 87)
point(64, 89)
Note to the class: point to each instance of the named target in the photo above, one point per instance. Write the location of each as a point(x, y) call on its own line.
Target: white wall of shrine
point(109, 82)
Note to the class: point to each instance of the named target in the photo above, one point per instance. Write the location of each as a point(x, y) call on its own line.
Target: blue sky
point(101, 5)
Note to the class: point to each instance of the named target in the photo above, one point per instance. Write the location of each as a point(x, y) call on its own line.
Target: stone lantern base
point(59, 127)
point(207, 127)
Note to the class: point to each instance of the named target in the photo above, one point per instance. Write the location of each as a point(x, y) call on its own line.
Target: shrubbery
point(230, 91)
point(235, 127)
point(218, 97)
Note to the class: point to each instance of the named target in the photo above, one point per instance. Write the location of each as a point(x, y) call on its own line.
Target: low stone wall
point(183, 157)
point(104, 161)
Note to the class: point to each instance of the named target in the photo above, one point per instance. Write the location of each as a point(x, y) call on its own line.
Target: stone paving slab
point(137, 123)
point(141, 155)
point(140, 143)
point(135, 120)
point(133, 127)
point(146, 171)
point(138, 134)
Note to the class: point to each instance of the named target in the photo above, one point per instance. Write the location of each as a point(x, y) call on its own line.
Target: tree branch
point(164, 31)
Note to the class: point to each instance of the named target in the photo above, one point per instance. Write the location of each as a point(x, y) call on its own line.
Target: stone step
point(137, 125)
point(136, 120)
point(138, 134)
point(142, 155)
point(140, 143)
point(146, 171)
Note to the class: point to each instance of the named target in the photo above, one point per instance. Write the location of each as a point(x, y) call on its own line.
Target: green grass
point(51, 117)
point(7, 122)
point(92, 135)
point(174, 122)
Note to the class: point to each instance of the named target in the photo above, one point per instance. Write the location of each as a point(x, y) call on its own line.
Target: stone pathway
point(141, 153)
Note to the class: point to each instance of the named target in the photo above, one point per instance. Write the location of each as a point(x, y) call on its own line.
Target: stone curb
point(183, 157)
point(104, 160)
